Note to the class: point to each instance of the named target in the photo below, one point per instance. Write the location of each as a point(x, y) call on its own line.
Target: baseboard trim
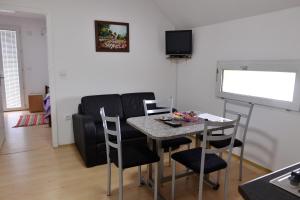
point(253, 164)
point(66, 145)
point(236, 156)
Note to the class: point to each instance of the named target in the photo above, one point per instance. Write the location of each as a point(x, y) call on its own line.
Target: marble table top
point(155, 129)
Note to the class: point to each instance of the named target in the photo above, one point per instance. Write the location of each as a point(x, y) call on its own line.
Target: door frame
point(51, 66)
point(20, 67)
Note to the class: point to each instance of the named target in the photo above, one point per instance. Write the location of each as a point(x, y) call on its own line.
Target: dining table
point(156, 130)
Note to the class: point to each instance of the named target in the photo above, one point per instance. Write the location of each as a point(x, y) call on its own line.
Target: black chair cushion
point(223, 143)
point(127, 131)
point(174, 143)
point(134, 155)
point(192, 160)
point(133, 105)
point(90, 105)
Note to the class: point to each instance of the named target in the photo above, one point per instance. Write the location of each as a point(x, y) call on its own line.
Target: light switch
point(63, 74)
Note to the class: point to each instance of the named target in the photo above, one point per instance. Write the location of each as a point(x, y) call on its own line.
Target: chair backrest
point(112, 137)
point(245, 113)
point(207, 150)
point(207, 137)
point(158, 110)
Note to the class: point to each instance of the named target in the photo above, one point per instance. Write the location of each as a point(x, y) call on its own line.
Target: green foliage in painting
point(105, 31)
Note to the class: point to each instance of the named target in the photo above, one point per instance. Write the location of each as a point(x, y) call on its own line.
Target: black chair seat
point(175, 143)
point(224, 143)
point(192, 160)
point(134, 155)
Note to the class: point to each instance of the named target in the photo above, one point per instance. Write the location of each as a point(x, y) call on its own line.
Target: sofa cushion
point(90, 105)
point(127, 132)
point(133, 103)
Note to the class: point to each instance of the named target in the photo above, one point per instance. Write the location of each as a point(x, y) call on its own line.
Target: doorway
point(11, 70)
point(24, 51)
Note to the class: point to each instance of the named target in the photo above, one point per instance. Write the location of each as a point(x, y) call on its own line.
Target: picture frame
point(111, 36)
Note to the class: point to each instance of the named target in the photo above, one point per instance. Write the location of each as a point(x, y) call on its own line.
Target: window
point(270, 83)
point(10, 62)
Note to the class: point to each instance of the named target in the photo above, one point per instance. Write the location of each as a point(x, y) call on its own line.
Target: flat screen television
point(179, 42)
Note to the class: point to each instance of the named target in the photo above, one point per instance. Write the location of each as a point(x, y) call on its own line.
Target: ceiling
point(21, 14)
point(194, 13)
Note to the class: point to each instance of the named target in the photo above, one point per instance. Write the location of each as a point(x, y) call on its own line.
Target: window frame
point(20, 67)
point(271, 66)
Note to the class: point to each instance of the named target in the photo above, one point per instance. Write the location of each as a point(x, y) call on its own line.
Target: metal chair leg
point(219, 171)
point(173, 179)
point(241, 163)
point(108, 178)
point(156, 181)
point(120, 184)
point(140, 175)
point(187, 169)
point(226, 185)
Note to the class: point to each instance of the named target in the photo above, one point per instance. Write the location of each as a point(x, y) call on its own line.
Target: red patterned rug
point(31, 120)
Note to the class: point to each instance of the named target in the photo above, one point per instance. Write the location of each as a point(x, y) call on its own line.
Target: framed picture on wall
point(111, 36)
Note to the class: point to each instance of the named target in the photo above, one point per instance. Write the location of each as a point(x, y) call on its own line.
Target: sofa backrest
point(90, 105)
point(133, 103)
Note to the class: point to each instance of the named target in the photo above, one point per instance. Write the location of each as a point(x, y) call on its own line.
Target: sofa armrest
point(84, 133)
point(84, 129)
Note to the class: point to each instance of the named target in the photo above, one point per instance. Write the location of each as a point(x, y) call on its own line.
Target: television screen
point(179, 42)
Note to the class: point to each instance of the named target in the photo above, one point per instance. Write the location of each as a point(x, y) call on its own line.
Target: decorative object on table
point(31, 120)
point(179, 119)
point(186, 116)
point(111, 36)
point(35, 103)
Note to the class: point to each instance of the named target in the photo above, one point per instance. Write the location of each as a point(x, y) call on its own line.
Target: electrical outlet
point(68, 117)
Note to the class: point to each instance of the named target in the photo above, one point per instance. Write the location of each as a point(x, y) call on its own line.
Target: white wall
point(274, 135)
point(34, 52)
point(78, 70)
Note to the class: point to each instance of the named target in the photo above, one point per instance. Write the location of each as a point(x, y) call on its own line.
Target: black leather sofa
point(87, 124)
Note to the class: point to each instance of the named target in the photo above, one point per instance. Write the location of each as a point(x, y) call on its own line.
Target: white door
point(2, 128)
point(13, 90)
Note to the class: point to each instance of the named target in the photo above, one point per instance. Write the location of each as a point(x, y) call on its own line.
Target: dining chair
point(205, 160)
point(125, 156)
point(245, 110)
point(150, 108)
